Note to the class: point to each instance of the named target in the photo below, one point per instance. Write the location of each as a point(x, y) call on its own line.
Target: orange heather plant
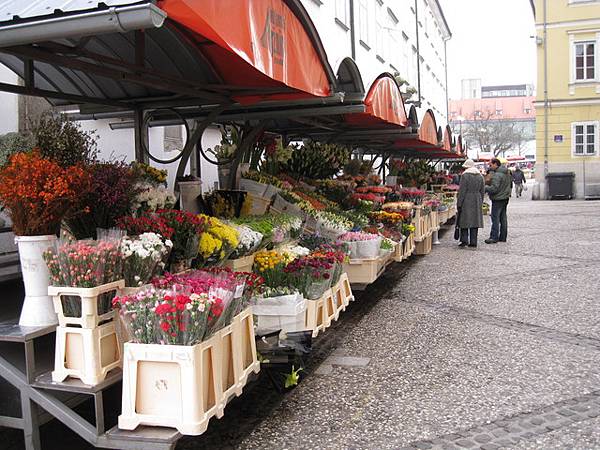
point(38, 193)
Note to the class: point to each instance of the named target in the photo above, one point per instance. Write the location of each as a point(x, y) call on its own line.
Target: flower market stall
point(164, 290)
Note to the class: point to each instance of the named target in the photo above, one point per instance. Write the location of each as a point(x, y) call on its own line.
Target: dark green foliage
point(64, 141)
point(316, 161)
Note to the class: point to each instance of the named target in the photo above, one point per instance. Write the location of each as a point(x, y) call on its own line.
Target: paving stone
point(483, 438)
point(504, 442)
point(551, 417)
point(465, 443)
point(424, 445)
point(490, 447)
point(514, 429)
point(537, 421)
point(566, 412)
point(452, 437)
point(499, 432)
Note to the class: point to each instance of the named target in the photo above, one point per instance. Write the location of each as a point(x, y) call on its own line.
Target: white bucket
point(38, 309)
point(189, 192)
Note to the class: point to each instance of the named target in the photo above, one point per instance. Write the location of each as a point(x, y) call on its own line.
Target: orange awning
point(259, 43)
point(384, 105)
point(425, 138)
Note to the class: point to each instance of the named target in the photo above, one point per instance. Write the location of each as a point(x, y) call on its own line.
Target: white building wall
point(9, 103)
point(385, 41)
point(119, 144)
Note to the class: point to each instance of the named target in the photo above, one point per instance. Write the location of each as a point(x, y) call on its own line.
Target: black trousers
point(469, 235)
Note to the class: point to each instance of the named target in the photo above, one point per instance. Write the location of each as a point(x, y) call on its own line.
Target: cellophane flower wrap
point(84, 264)
point(174, 316)
point(217, 242)
point(152, 198)
point(362, 245)
point(262, 225)
point(143, 257)
point(270, 265)
point(311, 274)
point(224, 289)
point(187, 228)
point(249, 241)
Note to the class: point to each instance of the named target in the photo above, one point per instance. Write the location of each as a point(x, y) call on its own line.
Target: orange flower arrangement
point(38, 193)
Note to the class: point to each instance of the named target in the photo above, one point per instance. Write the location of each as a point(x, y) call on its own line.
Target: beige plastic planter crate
point(90, 317)
point(86, 353)
point(421, 224)
point(247, 358)
point(316, 316)
point(243, 264)
point(172, 386)
point(443, 217)
point(182, 387)
point(345, 289)
point(424, 247)
point(238, 355)
point(366, 271)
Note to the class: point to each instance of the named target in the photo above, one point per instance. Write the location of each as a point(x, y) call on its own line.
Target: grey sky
point(490, 40)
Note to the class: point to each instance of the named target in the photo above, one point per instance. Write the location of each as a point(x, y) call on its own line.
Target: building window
point(584, 138)
point(341, 12)
point(363, 21)
point(585, 61)
point(173, 138)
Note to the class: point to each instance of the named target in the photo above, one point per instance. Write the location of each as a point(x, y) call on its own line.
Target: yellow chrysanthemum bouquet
point(217, 243)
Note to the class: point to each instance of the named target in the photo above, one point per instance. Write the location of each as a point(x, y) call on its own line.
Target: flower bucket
point(285, 312)
point(38, 308)
point(224, 172)
point(318, 288)
point(364, 249)
point(189, 192)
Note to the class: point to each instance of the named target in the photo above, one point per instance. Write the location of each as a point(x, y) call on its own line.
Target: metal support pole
point(139, 135)
point(31, 428)
point(248, 140)
point(436, 240)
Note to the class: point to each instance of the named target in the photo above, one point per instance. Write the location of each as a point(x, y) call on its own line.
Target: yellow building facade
point(568, 92)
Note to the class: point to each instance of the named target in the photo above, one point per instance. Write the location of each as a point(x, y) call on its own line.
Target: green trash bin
point(560, 185)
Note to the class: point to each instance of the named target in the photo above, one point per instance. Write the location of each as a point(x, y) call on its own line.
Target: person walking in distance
point(499, 191)
point(519, 180)
point(469, 204)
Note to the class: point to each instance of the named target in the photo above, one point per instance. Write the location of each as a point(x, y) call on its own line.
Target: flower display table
point(183, 387)
point(362, 272)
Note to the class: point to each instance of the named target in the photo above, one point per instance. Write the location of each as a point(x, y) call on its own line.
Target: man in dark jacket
point(499, 191)
point(519, 180)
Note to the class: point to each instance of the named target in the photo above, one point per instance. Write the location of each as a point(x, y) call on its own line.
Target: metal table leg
point(31, 428)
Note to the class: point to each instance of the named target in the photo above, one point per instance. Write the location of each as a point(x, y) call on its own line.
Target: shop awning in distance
point(384, 106)
point(165, 53)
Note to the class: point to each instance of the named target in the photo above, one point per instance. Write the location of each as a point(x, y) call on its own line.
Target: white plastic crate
point(86, 353)
point(88, 300)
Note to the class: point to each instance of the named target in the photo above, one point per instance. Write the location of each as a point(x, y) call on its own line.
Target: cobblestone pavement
point(497, 347)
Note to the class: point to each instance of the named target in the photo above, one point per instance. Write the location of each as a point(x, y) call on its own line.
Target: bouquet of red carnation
point(172, 317)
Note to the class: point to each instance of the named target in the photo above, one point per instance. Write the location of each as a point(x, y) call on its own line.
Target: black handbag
point(456, 228)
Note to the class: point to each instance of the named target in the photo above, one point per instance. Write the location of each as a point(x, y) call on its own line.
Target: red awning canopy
point(384, 105)
point(425, 139)
point(447, 142)
point(257, 43)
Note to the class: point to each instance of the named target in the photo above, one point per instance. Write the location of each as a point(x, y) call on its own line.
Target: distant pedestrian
point(519, 180)
point(499, 191)
point(469, 204)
